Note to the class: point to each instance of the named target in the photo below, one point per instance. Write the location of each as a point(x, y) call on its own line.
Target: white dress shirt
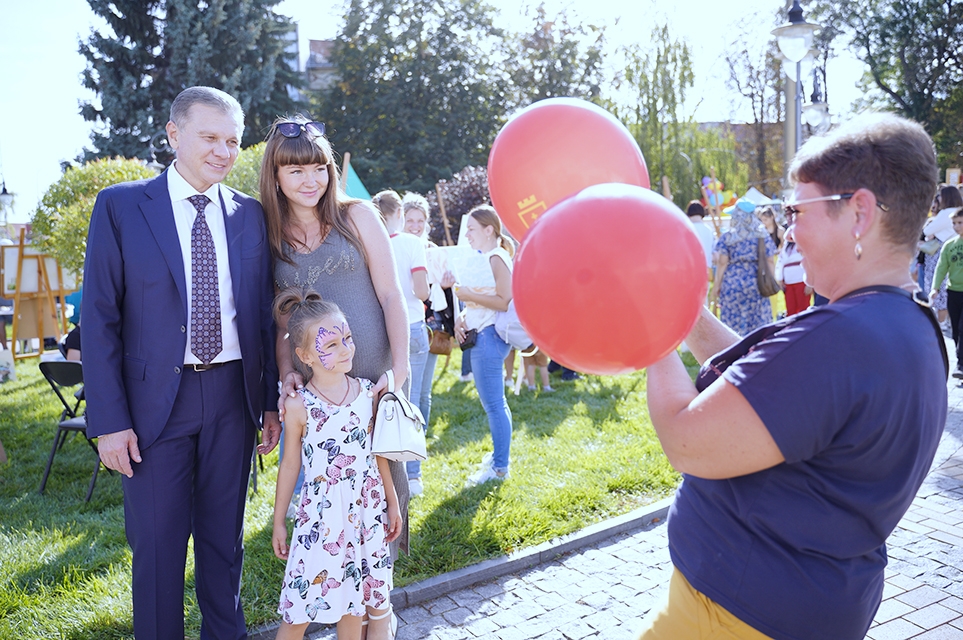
point(184, 214)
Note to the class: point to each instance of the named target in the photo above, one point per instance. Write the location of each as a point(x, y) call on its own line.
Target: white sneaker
point(509, 383)
point(484, 475)
point(415, 488)
point(468, 377)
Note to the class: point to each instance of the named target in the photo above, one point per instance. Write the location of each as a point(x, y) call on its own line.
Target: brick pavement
point(604, 588)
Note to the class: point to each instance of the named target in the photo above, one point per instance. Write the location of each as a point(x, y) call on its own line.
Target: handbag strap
point(391, 380)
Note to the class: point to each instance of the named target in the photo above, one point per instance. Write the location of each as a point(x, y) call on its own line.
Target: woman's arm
point(419, 284)
point(709, 336)
point(381, 267)
point(290, 378)
point(714, 435)
point(503, 288)
point(395, 521)
point(722, 261)
point(288, 470)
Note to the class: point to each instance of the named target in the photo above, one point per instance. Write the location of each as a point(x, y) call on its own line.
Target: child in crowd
point(338, 564)
point(537, 360)
point(951, 264)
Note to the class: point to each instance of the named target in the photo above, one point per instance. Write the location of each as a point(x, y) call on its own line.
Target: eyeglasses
point(791, 209)
point(294, 129)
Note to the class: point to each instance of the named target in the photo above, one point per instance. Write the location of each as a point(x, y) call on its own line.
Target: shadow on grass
point(457, 537)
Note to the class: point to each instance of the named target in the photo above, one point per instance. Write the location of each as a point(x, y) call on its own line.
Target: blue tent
point(354, 187)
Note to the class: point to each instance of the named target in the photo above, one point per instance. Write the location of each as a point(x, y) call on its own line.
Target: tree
point(156, 48)
point(246, 174)
point(756, 74)
point(555, 59)
point(463, 192)
point(61, 220)
point(914, 51)
point(673, 145)
point(418, 95)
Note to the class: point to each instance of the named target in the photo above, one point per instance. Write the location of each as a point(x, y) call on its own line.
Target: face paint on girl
point(320, 343)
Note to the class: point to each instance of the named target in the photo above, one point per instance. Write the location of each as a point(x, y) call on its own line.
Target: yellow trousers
point(687, 614)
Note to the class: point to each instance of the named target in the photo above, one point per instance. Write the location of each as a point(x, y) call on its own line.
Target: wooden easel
point(41, 301)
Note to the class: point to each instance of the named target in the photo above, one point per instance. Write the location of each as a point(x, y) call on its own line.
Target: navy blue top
point(854, 395)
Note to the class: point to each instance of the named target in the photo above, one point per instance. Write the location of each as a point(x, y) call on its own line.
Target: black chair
point(62, 375)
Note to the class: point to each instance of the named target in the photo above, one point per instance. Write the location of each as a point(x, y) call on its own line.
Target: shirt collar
point(181, 189)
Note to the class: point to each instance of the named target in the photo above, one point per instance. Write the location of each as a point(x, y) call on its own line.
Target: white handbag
point(399, 432)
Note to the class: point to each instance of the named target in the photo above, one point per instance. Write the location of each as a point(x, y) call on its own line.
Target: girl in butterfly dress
point(338, 564)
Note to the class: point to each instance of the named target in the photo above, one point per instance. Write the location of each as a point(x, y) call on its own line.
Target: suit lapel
point(233, 225)
point(159, 214)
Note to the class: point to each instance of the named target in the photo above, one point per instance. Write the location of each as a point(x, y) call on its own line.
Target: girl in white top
point(484, 296)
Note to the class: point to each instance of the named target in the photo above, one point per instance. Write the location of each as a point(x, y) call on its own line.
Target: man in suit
point(179, 364)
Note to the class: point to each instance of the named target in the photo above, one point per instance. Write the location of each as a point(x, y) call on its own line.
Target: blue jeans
point(487, 364)
point(422, 364)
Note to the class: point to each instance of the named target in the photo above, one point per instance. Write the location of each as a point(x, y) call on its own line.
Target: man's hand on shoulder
point(118, 449)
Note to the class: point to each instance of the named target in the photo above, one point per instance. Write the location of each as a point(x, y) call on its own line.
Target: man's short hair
point(207, 96)
point(891, 156)
point(695, 208)
point(958, 213)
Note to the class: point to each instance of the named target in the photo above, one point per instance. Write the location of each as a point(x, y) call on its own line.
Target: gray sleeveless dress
point(338, 272)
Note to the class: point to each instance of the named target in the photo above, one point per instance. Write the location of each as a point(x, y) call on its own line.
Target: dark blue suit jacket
point(134, 313)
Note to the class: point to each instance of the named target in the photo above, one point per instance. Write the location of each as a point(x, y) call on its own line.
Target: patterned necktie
point(205, 298)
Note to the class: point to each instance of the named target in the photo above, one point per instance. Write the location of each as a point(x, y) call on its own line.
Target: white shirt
point(706, 237)
point(184, 214)
point(409, 253)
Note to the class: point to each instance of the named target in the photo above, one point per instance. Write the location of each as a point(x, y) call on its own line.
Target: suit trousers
point(192, 481)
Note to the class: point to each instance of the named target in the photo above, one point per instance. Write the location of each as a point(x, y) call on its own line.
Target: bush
point(61, 220)
point(247, 168)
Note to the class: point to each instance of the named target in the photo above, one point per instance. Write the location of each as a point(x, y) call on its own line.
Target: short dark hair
point(891, 156)
point(958, 213)
point(695, 208)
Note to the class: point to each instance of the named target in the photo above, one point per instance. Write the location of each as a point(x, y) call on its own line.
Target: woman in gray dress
point(324, 241)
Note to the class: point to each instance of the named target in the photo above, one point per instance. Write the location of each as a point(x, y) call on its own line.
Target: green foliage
point(419, 95)
point(61, 220)
point(154, 49)
point(466, 190)
point(914, 51)
point(656, 81)
point(247, 170)
point(555, 59)
point(756, 74)
point(580, 455)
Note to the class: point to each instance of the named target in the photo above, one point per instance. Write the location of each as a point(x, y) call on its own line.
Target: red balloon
point(611, 281)
point(554, 149)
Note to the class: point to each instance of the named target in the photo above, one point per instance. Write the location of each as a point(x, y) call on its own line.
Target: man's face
point(207, 144)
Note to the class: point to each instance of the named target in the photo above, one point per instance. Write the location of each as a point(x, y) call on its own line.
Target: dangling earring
point(858, 249)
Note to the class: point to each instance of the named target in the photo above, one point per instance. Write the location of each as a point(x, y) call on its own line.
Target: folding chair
point(62, 375)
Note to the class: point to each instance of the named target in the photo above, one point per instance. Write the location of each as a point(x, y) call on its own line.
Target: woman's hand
point(382, 385)
point(460, 328)
point(279, 540)
point(447, 280)
point(292, 382)
point(714, 294)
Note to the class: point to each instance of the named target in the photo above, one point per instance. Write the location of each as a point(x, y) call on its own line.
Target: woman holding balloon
point(779, 526)
point(483, 298)
point(741, 307)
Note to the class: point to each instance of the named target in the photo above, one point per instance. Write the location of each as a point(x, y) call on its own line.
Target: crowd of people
point(209, 316)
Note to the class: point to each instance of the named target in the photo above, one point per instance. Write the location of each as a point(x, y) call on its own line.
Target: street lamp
point(816, 112)
point(795, 39)
point(6, 201)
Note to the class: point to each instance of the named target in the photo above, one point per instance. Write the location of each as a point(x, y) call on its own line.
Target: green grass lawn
point(579, 455)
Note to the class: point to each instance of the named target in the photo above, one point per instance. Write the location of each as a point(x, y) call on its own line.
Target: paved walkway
point(604, 586)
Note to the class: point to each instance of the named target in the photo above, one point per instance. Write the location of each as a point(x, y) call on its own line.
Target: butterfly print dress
point(338, 561)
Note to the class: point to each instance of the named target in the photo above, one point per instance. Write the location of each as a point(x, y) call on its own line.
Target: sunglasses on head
point(294, 129)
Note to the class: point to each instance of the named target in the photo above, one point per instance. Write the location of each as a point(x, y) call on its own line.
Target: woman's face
point(478, 237)
point(415, 222)
point(825, 241)
point(303, 185)
point(768, 220)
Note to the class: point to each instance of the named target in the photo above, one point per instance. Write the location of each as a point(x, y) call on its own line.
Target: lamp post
point(6, 201)
point(795, 39)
